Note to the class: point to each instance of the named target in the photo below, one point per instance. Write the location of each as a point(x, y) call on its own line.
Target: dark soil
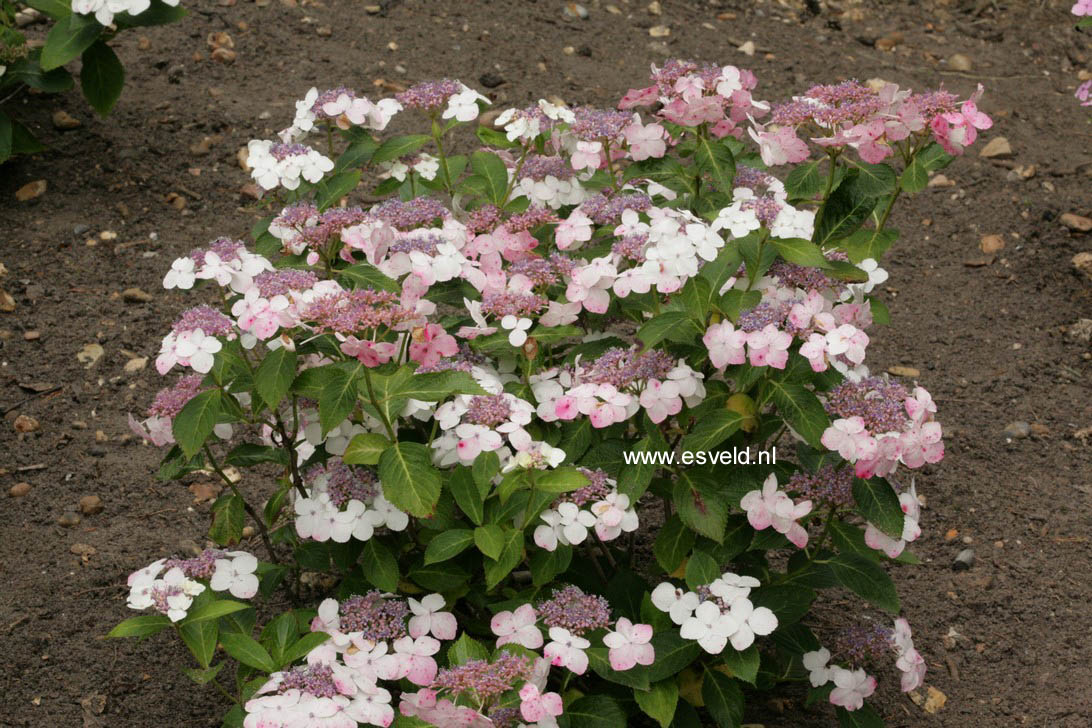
point(1006, 641)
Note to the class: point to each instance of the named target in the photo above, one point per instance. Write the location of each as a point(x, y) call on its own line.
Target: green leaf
point(275, 374)
point(846, 271)
point(874, 180)
point(700, 505)
point(278, 634)
point(67, 39)
point(248, 454)
point(595, 711)
point(301, 647)
point(494, 138)
point(864, 717)
point(715, 159)
point(56, 9)
point(845, 210)
point(142, 626)
point(701, 569)
point(744, 665)
point(409, 480)
point(801, 409)
point(205, 676)
point(674, 325)
point(200, 638)
point(332, 189)
point(878, 503)
point(880, 315)
point(194, 423)
point(434, 386)
point(672, 544)
point(490, 540)
point(735, 301)
point(399, 146)
point(5, 137)
point(246, 650)
point(29, 71)
point(365, 275)
point(635, 478)
point(215, 610)
point(723, 699)
point(448, 545)
point(511, 555)
point(365, 449)
point(800, 251)
point(711, 430)
point(659, 701)
point(789, 602)
point(380, 566)
point(718, 271)
point(805, 181)
point(484, 469)
point(357, 154)
point(338, 397)
point(465, 649)
point(494, 173)
point(673, 653)
point(553, 334)
point(228, 515)
point(868, 243)
point(560, 480)
point(866, 579)
point(468, 493)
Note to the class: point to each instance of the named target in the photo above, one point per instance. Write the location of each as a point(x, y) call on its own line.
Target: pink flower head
point(850, 439)
point(588, 155)
point(431, 343)
point(851, 687)
point(629, 645)
point(567, 650)
point(772, 507)
point(815, 351)
point(661, 400)
point(517, 627)
point(573, 231)
point(768, 347)
point(725, 344)
point(370, 353)
point(956, 130)
point(644, 141)
point(779, 147)
point(427, 618)
point(414, 659)
point(536, 705)
point(639, 97)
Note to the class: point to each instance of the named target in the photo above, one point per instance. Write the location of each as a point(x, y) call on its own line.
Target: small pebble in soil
point(63, 120)
point(69, 519)
point(19, 490)
point(90, 505)
point(1017, 430)
point(96, 451)
point(135, 295)
point(25, 424)
point(963, 560)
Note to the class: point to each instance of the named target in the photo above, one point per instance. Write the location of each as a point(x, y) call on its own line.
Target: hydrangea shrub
point(472, 406)
point(81, 29)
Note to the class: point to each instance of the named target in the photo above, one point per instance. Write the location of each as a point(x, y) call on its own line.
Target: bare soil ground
point(1006, 641)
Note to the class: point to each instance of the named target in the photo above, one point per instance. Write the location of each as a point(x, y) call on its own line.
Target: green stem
point(515, 175)
point(375, 403)
point(438, 138)
point(246, 506)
